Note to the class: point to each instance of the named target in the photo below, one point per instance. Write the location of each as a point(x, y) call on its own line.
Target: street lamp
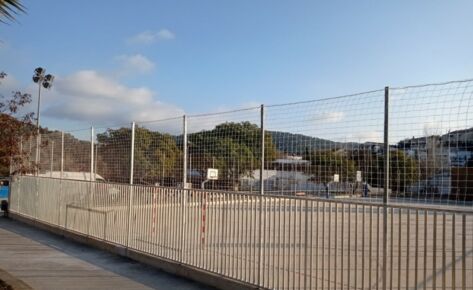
point(46, 81)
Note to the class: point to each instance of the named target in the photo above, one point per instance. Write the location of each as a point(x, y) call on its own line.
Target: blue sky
point(173, 57)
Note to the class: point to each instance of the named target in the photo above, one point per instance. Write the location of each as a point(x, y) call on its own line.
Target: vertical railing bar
point(255, 239)
point(245, 264)
point(356, 246)
point(463, 251)
point(240, 236)
point(399, 249)
point(311, 244)
point(349, 247)
point(377, 249)
point(294, 232)
point(279, 245)
point(342, 272)
point(425, 248)
point(434, 250)
point(363, 249)
point(416, 257)
point(300, 244)
point(317, 251)
point(336, 247)
point(444, 262)
point(284, 249)
point(233, 216)
point(271, 241)
point(391, 259)
point(454, 258)
point(306, 241)
point(370, 267)
point(329, 281)
point(407, 246)
point(323, 245)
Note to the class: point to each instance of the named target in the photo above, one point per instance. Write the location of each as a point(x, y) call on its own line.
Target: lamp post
point(45, 81)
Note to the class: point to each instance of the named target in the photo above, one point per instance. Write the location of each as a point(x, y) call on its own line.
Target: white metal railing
point(269, 241)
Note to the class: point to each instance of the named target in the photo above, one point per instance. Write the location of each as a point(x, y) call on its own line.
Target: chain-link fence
point(340, 147)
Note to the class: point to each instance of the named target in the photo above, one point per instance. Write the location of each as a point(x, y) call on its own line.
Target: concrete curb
point(166, 265)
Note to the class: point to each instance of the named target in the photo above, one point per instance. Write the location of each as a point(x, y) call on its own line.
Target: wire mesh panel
point(229, 142)
point(49, 160)
point(25, 162)
point(329, 147)
point(159, 152)
point(112, 153)
point(77, 154)
point(431, 141)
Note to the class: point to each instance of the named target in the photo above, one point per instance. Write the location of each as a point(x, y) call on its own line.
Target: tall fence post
point(130, 198)
point(184, 150)
point(261, 191)
point(184, 185)
point(386, 186)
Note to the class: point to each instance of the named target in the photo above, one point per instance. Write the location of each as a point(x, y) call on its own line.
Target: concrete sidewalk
point(44, 261)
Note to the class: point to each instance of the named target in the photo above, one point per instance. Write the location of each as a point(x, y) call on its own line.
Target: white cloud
point(94, 98)
point(147, 37)
point(328, 117)
point(366, 136)
point(136, 63)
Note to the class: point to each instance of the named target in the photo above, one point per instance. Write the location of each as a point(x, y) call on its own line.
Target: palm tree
point(10, 8)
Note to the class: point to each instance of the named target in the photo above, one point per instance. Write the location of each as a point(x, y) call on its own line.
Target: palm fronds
point(9, 9)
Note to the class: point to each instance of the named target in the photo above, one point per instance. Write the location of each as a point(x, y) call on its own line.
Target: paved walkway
point(45, 261)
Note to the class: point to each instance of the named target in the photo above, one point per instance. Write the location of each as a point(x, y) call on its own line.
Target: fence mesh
point(327, 147)
point(112, 153)
point(229, 142)
point(431, 134)
point(330, 147)
point(158, 152)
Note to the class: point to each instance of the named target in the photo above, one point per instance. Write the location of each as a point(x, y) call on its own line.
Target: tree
point(324, 164)
point(14, 127)
point(156, 156)
point(403, 170)
point(233, 148)
point(9, 9)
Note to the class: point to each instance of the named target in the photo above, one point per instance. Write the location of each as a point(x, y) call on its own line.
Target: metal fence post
point(184, 150)
point(261, 176)
point(184, 185)
point(386, 186)
point(130, 198)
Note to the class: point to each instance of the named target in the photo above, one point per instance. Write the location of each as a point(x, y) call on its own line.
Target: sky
point(149, 60)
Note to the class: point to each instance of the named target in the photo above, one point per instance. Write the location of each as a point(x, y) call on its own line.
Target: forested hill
point(298, 144)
